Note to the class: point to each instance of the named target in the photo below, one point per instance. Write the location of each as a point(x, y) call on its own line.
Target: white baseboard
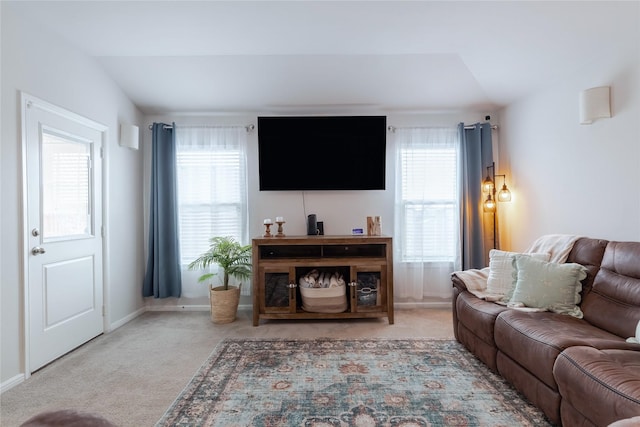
point(421, 304)
point(190, 307)
point(126, 319)
point(178, 308)
point(194, 307)
point(11, 382)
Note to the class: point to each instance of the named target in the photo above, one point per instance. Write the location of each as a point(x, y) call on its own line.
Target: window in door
point(66, 179)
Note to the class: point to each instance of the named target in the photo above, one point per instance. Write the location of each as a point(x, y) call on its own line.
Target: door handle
point(37, 250)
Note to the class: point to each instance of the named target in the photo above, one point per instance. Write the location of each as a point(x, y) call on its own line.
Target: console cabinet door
point(368, 288)
point(278, 294)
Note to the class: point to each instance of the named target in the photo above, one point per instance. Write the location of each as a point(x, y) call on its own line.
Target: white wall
point(570, 178)
point(341, 211)
point(44, 66)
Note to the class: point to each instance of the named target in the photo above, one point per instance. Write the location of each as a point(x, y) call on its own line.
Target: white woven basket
point(324, 300)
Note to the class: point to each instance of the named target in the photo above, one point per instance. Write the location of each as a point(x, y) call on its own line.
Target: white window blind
point(212, 193)
point(66, 178)
point(428, 192)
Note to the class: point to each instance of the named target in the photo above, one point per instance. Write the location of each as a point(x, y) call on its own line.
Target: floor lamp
point(490, 202)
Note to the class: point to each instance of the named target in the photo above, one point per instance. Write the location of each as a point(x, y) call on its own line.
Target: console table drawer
point(369, 251)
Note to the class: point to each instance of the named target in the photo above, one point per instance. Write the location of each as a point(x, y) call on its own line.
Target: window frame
point(405, 203)
point(236, 205)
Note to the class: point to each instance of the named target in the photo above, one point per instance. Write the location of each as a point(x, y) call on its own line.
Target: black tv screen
point(322, 153)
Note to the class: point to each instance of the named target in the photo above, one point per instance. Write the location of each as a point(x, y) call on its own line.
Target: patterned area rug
point(327, 383)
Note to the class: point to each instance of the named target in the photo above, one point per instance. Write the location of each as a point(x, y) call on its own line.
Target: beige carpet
point(132, 375)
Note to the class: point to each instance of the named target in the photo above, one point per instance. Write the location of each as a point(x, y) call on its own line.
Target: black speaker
point(312, 225)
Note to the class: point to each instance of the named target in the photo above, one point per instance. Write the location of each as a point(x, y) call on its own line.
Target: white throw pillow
point(502, 277)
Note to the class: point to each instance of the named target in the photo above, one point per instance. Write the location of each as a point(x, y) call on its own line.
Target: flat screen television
point(322, 152)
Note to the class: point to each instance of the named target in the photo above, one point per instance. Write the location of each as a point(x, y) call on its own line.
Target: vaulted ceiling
point(329, 56)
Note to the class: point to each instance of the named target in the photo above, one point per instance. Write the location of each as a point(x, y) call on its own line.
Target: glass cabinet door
point(279, 293)
point(367, 290)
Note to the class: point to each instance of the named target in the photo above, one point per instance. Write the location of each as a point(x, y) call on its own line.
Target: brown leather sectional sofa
point(579, 372)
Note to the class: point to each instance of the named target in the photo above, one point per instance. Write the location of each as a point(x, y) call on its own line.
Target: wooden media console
point(364, 263)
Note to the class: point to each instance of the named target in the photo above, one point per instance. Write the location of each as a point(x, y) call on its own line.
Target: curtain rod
point(248, 127)
point(393, 128)
point(493, 127)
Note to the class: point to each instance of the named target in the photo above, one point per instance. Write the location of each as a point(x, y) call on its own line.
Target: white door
point(63, 175)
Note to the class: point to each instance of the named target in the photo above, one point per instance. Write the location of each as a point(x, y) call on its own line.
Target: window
point(66, 191)
point(212, 190)
point(427, 195)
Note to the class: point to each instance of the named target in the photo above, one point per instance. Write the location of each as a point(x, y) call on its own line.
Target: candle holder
point(280, 233)
point(267, 230)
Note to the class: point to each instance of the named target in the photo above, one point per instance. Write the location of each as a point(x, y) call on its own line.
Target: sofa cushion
point(537, 392)
point(534, 340)
point(588, 252)
point(478, 315)
point(614, 301)
point(474, 326)
point(611, 379)
point(548, 285)
point(501, 280)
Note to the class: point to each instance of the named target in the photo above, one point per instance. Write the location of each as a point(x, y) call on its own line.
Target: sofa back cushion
point(588, 252)
point(613, 304)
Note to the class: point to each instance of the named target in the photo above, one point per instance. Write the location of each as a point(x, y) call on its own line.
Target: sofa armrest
point(458, 283)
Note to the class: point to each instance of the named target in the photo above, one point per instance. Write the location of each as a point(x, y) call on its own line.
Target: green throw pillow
point(501, 280)
point(548, 285)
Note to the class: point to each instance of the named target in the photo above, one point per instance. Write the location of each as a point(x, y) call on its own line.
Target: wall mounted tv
point(322, 152)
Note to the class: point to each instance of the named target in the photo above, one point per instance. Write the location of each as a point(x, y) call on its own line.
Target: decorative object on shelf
point(280, 220)
point(357, 231)
point(321, 279)
point(374, 226)
point(489, 187)
point(594, 104)
point(267, 227)
point(235, 261)
point(312, 225)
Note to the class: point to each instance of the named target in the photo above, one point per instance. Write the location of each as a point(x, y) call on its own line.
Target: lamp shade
point(504, 195)
point(594, 104)
point(488, 185)
point(129, 135)
point(489, 204)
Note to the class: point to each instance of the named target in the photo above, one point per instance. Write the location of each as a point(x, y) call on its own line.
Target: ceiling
point(324, 56)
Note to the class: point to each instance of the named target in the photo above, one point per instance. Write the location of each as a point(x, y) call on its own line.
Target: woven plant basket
point(224, 303)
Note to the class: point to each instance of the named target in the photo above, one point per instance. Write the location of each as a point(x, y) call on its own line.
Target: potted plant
point(235, 261)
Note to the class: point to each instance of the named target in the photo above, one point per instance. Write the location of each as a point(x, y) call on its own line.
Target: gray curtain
point(476, 154)
point(162, 278)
